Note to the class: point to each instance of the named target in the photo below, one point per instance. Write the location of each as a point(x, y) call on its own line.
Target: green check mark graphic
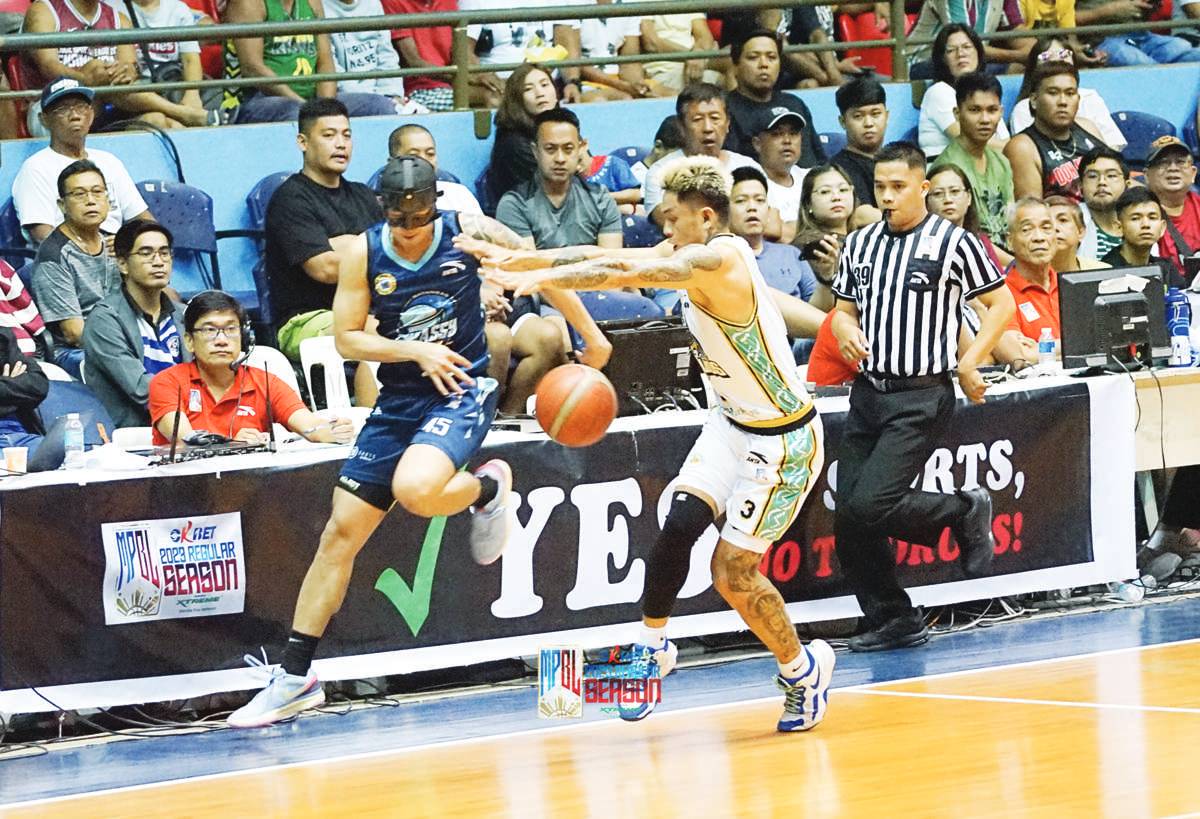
point(413, 603)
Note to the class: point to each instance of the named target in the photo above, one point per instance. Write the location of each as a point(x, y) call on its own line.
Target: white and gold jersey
point(749, 366)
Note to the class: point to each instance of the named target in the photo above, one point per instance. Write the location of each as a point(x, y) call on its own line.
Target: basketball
point(575, 404)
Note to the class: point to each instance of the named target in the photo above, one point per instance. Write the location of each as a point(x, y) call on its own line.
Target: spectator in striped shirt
point(1103, 178)
point(19, 314)
point(135, 332)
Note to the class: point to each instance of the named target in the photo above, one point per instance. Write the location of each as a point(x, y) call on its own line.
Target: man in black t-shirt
point(307, 219)
point(864, 117)
point(756, 103)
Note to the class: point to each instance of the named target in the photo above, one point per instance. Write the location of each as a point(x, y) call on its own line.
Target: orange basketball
point(575, 404)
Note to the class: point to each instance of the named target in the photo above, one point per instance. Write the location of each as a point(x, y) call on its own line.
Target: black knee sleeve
point(667, 568)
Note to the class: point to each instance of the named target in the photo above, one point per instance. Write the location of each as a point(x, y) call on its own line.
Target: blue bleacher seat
point(187, 212)
point(832, 142)
point(1190, 138)
point(638, 231)
point(25, 274)
point(258, 199)
point(12, 243)
point(1140, 129)
point(483, 192)
point(632, 154)
point(910, 136)
point(256, 203)
point(617, 305)
point(73, 396)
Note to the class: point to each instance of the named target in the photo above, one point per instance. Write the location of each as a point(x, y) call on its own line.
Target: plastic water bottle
point(73, 442)
point(1179, 327)
point(1047, 348)
point(1133, 591)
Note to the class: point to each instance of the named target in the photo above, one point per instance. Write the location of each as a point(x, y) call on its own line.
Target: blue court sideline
point(503, 710)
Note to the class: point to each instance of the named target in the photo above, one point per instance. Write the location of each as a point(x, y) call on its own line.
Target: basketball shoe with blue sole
point(806, 697)
point(650, 663)
point(285, 696)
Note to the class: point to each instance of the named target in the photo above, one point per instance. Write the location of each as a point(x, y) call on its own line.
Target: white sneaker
point(286, 695)
point(489, 524)
point(806, 697)
point(651, 663)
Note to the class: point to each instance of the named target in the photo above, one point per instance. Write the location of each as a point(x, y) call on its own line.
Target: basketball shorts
point(455, 424)
point(761, 481)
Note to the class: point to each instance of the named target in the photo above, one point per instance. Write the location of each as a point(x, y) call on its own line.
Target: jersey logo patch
point(707, 365)
point(451, 268)
point(428, 317)
point(385, 284)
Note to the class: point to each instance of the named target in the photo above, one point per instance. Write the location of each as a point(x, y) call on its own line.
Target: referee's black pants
point(886, 441)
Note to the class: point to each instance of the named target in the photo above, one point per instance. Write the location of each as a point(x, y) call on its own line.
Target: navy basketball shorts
point(455, 424)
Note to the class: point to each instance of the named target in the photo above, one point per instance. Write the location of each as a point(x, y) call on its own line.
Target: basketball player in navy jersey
point(434, 409)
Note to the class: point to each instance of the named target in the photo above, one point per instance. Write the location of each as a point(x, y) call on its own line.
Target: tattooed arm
point(485, 231)
point(502, 258)
point(689, 267)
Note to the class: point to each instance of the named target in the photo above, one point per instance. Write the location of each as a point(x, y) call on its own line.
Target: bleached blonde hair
point(700, 180)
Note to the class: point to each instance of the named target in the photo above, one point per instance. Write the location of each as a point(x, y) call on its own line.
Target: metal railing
point(460, 70)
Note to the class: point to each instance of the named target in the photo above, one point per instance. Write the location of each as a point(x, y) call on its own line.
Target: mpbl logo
point(139, 581)
point(560, 682)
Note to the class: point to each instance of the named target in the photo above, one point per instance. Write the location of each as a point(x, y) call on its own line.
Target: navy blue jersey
point(433, 299)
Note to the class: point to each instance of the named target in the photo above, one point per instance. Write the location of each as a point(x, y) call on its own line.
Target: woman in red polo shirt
point(217, 394)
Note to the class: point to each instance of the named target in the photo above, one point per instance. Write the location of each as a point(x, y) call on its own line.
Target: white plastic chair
point(55, 372)
point(275, 363)
point(323, 351)
point(133, 437)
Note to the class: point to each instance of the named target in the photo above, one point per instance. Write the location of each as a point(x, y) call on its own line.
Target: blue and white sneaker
point(806, 697)
point(490, 523)
point(650, 663)
point(285, 696)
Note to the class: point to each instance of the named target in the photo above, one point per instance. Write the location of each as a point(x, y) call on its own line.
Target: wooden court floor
point(1113, 734)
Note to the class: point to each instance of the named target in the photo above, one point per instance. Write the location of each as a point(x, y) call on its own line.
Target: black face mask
point(410, 210)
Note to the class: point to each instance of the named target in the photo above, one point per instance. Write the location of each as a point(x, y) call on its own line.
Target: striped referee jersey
point(910, 288)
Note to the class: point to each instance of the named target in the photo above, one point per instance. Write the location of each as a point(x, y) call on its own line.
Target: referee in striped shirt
point(901, 285)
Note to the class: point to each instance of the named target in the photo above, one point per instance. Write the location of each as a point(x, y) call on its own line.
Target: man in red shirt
point(1170, 172)
point(1032, 280)
point(218, 392)
point(430, 48)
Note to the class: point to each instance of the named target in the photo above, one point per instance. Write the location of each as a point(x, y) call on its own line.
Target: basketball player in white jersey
point(759, 454)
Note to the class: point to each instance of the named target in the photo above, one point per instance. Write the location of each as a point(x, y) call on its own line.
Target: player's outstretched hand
point(443, 367)
point(972, 383)
point(521, 284)
point(595, 352)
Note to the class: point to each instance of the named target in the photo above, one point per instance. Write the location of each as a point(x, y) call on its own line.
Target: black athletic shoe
point(974, 533)
point(900, 632)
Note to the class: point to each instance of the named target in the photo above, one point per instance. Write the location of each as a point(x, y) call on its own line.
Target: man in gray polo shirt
point(73, 269)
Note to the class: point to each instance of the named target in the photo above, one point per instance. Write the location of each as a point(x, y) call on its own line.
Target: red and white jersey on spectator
point(68, 18)
point(17, 310)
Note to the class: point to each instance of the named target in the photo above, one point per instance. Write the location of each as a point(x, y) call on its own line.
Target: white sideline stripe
point(866, 688)
point(1117, 706)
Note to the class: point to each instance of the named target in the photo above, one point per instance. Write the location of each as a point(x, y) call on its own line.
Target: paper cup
point(16, 459)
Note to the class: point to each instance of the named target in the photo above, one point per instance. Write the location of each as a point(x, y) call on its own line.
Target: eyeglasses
point(1057, 55)
point(65, 109)
point(942, 194)
point(1184, 162)
point(960, 49)
point(83, 194)
point(1108, 176)
point(210, 333)
point(148, 253)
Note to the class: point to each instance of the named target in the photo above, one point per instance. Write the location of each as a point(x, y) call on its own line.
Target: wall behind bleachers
point(228, 162)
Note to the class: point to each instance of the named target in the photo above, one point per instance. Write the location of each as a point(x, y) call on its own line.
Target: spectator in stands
point(668, 138)
point(1133, 47)
point(164, 62)
point(1045, 156)
point(23, 386)
point(19, 314)
point(355, 51)
point(308, 218)
point(864, 117)
point(780, 264)
point(8, 114)
point(429, 47)
point(814, 25)
point(134, 333)
point(778, 148)
point(73, 270)
point(1093, 114)
point(1103, 178)
point(688, 31)
point(978, 115)
point(755, 102)
point(528, 91)
point(1068, 229)
point(98, 64)
point(415, 140)
point(217, 392)
point(67, 113)
point(601, 37)
point(614, 175)
point(1143, 223)
point(1032, 278)
point(701, 111)
point(1170, 174)
point(952, 196)
point(827, 214)
point(984, 18)
point(957, 51)
point(555, 209)
point(533, 41)
point(285, 56)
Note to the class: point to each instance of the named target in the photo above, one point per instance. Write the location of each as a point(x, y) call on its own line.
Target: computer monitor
point(652, 365)
point(1117, 314)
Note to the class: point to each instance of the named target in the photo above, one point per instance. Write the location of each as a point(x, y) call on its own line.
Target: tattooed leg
point(736, 576)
